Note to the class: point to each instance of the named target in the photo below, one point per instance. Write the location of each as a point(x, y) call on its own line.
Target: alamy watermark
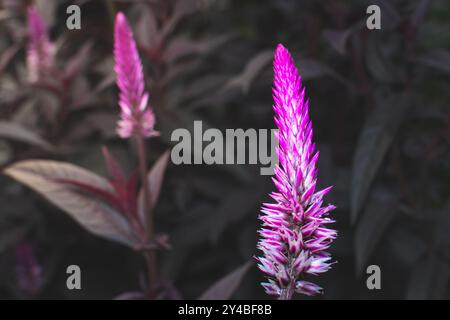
point(374, 20)
point(73, 21)
point(373, 282)
point(73, 281)
point(232, 146)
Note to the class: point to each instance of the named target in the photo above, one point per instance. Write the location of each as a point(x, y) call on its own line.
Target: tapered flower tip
point(130, 78)
point(125, 47)
point(282, 56)
point(36, 24)
point(125, 53)
point(120, 18)
point(121, 21)
point(281, 51)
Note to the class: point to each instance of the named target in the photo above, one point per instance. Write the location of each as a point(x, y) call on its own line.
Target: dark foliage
point(379, 102)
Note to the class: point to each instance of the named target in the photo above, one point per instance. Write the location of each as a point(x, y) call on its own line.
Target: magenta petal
point(307, 288)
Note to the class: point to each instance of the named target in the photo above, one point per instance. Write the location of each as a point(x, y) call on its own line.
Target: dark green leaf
point(373, 143)
point(379, 213)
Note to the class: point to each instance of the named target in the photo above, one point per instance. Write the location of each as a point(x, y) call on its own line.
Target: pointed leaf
point(225, 287)
point(76, 63)
point(42, 176)
point(373, 143)
point(380, 65)
point(183, 46)
point(338, 39)
point(113, 166)
point(229, 212)
point(377, 217)
point(16, 132)
point(438, 59)
point(252, 69)
point(182, 9)
point(311, 68)
point(156, 176)
point(7, 55)
point(47, 8)
point(155, 179)
point(147, 27)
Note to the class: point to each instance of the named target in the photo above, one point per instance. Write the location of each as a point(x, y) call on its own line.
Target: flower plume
point(136, 116)
point(293, 237)
point(40, 51)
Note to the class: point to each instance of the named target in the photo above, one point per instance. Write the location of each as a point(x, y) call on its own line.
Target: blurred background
point(379, 102)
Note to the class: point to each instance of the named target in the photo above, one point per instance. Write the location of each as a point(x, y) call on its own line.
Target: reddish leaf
point(156, 175)
point(155, 179)
point(108, 197)
point(42, 176)
point(125, 189)
point(114, 168)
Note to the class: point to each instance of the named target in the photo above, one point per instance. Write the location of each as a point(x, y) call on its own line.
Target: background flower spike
point(40, 51)
point(136, 116)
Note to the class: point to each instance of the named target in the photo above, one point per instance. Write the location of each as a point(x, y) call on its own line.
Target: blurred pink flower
point(136, 116)
point(29, 272)
point(293, 237)
point(40, 51)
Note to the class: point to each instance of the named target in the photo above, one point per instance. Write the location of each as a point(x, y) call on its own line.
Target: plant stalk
point(149, 255)
point(288, 292)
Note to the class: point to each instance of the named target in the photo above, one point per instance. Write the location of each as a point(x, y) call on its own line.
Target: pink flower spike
point(293, 238)
point(137, 117)
point(40, 51)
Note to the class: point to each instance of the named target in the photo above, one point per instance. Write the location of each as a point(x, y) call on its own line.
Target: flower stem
point(149, 255)
point(287, 292)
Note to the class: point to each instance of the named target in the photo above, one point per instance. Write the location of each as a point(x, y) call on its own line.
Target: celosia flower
point(293, 235)
point(40, 51)
point(136, 116)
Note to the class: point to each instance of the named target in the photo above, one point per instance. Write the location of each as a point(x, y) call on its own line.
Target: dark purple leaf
point(373, 143)
point(225, 287)
point(42, 176)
